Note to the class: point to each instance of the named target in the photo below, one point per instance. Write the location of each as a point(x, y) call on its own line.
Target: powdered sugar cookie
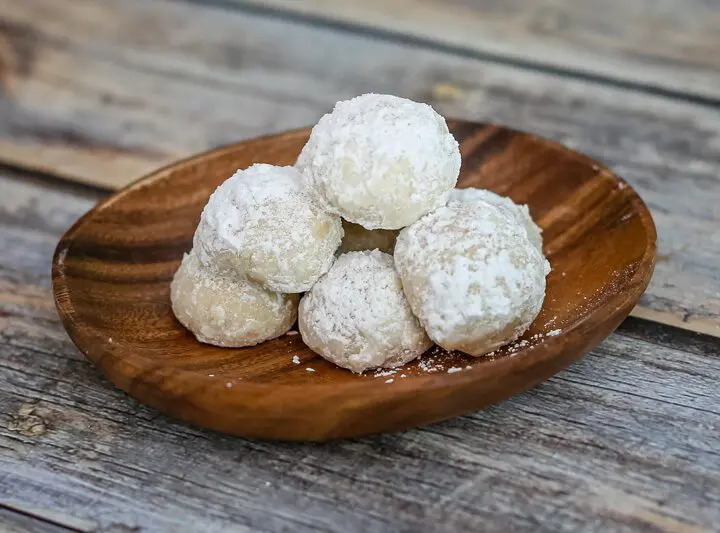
point(225, 310)
point(357, 316)
point(471, 276)
point(262, 224)
point(380, 161)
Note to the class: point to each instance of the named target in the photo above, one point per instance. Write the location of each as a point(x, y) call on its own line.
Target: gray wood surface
point(105, 90)
point(663, 46)
point(625, 440)
point(100, 91)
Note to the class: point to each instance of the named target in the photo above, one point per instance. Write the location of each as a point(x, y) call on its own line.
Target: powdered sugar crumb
point(296, 360)
point(429, 365)
point(228, 385)
point(551, 321)
point(454, 369)
point(389, 380)
point(533, 340)
point(292, 332)
point(308, 369)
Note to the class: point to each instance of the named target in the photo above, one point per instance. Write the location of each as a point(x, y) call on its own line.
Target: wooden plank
point(106, 90)
point(103, 98)
point(625, 440)
point(556, 458)
point(661, 46)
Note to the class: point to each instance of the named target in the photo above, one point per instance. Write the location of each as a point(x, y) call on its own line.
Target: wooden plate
point(112, 270)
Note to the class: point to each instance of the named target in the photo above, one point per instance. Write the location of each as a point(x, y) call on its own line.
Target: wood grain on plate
point(111, 275)
point(644, 401)
point(104, 91)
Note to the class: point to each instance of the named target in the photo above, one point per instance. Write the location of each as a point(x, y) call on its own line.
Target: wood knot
point(446, 91)
point(28, 422)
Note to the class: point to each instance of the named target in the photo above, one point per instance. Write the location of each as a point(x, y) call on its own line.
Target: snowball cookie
point(471, 276)
point(380, 161)
point(225, 310)
point(262, 224)
point(520, 212)
point(357, 238)
point(357, 316)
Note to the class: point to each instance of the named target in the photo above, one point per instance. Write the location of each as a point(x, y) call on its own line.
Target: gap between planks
point(16, 517)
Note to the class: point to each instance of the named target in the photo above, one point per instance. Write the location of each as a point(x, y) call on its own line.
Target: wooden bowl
point(112, 270)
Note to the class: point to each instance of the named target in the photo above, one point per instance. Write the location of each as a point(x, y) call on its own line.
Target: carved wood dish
point(112, 271)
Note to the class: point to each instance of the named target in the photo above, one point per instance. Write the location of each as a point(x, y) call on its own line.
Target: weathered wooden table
point(95, 92)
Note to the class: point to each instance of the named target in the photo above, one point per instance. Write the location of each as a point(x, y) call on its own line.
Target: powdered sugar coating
point(357, 239)
point(520, 212)
point(380, 161)
point(225, 310)
point(357, 316)
point(471, 276)
point(261, 223)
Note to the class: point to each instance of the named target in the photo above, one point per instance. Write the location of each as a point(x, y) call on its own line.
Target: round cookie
point(380, 161)
point(357, 316)
point(471, 276)
point(261, 223)
point(357, 239)
point(224, 310)
point(520, 212)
